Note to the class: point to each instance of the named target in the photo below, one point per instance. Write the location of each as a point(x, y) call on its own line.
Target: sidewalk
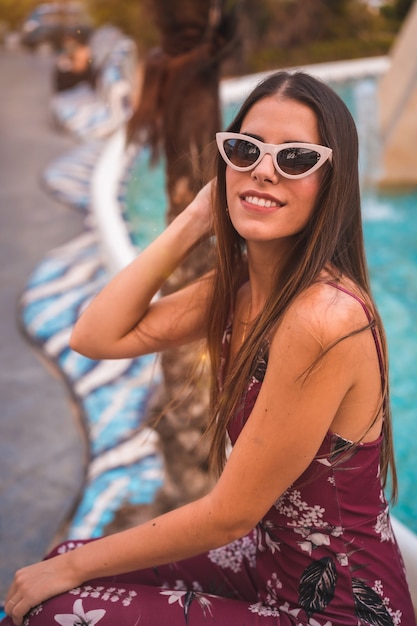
point(42, 449)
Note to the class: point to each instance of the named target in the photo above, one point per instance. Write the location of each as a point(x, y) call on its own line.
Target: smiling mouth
point(262, 202)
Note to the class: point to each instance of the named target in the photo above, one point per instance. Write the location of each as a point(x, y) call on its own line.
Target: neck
point(264, 263)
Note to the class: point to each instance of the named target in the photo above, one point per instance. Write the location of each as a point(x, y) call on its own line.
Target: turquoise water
point(390, 226)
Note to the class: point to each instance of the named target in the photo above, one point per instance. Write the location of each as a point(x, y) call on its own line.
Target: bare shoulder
point(318, 355)
point(328, 313)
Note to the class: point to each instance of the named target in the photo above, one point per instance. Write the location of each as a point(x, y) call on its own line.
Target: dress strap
point(373, 329)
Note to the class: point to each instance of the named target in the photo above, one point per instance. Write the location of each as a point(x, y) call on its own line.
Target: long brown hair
point(332, 238)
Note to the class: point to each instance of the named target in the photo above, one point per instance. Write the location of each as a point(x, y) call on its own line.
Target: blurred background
point(274, 33)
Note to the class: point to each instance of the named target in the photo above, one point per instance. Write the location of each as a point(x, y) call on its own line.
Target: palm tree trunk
point(179, 113)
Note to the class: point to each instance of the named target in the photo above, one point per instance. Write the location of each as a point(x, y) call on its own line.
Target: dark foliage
point(317, 586)
point(369, 606)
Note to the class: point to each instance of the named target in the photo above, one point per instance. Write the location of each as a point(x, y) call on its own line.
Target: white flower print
point(79, 618)
point(105, 593)
point(342, 558)
point(395, 615)
point(177, 595)
point(378, 587)
point(174, 595)
point(233, 555)
point(264, 532)
point(96, 591)
point(206, 604)
point(291, 505)
point(35, 611)
point(324, 461)
point(180, 585)
point(271, 587)
point(128, 600)
point(264, 610)
point(68, 546)
point(269, 607)
point(271, 544)
point(314, 541)
point(319, 539)
point(383, 526)
point(333, 531)
point(108, 594)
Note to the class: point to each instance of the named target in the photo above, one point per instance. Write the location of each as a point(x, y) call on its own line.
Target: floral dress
point(323, 555)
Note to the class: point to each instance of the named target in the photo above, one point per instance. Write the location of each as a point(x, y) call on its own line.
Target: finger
point(15, 610)
point(10, 607)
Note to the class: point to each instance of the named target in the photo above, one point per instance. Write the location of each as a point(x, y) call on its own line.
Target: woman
point(296, 530)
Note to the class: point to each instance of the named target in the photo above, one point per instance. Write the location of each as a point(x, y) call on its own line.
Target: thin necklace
point(246, 324)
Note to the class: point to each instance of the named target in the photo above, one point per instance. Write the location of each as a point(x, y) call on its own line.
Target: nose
point(265, 170)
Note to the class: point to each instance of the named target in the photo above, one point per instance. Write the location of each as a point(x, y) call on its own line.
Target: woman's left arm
point(283, 433)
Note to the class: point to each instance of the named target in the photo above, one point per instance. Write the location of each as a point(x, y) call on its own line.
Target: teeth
point(261, 202)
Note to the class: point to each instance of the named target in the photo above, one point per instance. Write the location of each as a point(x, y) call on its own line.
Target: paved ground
point(41, 446)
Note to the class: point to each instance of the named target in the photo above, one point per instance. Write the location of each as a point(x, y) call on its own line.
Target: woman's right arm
point(122, 321)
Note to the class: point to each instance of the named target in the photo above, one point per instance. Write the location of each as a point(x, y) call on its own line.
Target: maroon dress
point(323, 555)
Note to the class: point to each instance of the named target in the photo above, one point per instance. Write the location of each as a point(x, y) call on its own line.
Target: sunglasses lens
point(295, 161)
point(240, 152)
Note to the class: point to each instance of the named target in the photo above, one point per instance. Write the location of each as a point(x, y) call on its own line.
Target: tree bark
point(179, 114)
